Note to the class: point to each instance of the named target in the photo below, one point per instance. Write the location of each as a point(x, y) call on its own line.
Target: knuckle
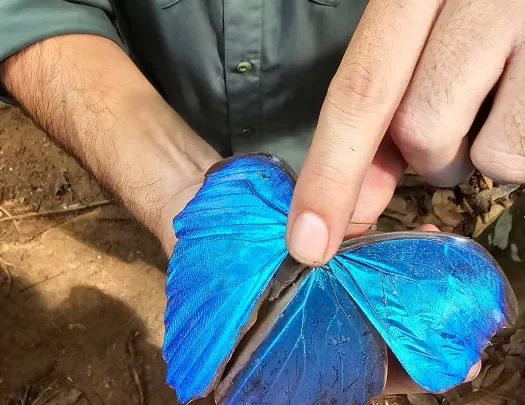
point(500, 166)
point(328, 176)
point(358, 86)
point(499, 151)
point(416, 131)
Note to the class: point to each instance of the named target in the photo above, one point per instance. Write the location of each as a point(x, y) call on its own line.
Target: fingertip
point(427, 228)
point(308, 239)
point(473, 372)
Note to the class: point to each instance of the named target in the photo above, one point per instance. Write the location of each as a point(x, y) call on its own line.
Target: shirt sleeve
point(26, 22)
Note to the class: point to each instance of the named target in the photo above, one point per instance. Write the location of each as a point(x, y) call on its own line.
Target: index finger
point(361, 101)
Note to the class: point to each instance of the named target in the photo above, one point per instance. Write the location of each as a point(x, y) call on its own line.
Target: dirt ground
point(85, 287)
point(81, 318)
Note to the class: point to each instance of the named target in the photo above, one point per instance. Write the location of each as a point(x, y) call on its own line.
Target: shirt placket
point(243, 30)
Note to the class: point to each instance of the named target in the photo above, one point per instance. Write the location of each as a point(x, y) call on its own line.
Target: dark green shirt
point(247, 75)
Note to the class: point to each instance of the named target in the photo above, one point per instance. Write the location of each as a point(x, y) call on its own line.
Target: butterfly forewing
point(231, 242)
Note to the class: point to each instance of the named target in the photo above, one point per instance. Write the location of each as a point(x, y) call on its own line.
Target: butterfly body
point(243, 321)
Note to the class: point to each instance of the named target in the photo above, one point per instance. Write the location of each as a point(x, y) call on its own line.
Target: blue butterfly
point(246, 321)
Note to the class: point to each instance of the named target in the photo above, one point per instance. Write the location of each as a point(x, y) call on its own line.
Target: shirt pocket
point(331, 3)
point(167, 3)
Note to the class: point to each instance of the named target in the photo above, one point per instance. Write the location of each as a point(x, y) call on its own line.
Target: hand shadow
point(82, 344)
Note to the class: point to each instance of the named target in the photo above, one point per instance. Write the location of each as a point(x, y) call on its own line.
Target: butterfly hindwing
point(321, 350)
point(436, 299)
point(231, 242)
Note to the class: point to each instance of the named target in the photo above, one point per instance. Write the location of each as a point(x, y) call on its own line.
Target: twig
point(136, 378)
point(9, 218)
point(4, 266)
point(39, 397)
point(39, 204)
point(26, 395)
point(49, 398)
point(55, 212)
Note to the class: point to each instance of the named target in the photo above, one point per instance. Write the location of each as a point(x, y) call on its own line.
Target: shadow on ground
point(115, 234)
point(83, 344)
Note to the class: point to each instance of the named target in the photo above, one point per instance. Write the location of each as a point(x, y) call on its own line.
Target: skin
point(115, 123)
point(407, 91)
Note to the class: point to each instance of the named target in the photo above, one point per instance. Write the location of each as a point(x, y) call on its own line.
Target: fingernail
point(308, 239)
point(474, 372)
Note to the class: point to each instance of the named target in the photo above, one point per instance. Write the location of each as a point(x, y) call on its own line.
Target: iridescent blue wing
point(321, 350)
point(230, 243)
point(436, 299)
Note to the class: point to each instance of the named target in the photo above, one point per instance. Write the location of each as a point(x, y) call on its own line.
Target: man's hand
point(421, 70)
point(90, 97)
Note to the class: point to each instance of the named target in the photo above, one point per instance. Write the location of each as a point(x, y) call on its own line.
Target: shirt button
point(243, 67)
point(246, 131)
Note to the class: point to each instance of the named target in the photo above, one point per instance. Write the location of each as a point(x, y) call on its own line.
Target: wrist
point(155, 163)
point(113, 120)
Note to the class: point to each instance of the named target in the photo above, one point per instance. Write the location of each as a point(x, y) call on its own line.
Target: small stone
point(72, 396)
point(131, 257)
point(61, 185)
point(73, 326)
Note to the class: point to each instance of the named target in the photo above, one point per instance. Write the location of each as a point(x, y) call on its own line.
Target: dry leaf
point(477, 382)
point(497, 193)
point(493, 373)
point(388, 224)
point(443, 197)
point(448, 215)
point(514, 364)
point(518, 336)
point(514, 348)
point(422, 399)
point(398, 204)
point(488, 183)
point(484, 220)
point(433, 220)
point(483, 398)
point(452, 398)
point(396, 400)
point(479, 182)
point(402, 209)
point(407, 219)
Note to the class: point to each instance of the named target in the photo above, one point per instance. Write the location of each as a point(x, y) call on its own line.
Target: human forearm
point(89, 96)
